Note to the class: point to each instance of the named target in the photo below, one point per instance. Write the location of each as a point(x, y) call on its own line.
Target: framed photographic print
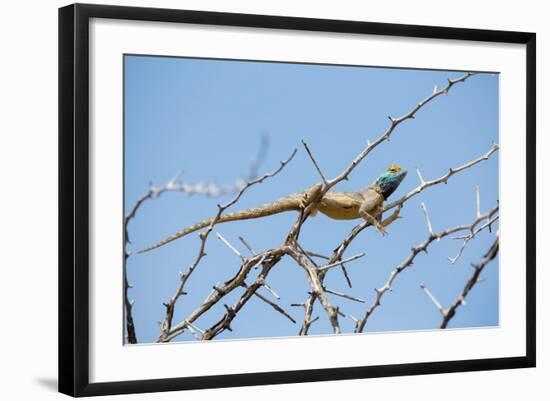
point(251, 199)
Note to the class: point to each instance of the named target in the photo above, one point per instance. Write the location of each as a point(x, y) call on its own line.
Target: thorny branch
point(443, 179)
point(474, 279)
point(408, 262)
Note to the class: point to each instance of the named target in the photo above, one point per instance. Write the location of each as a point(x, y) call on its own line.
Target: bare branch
point(315, 163)
point(317, 255)
point(231, 312)
point(330, 266)
point(233, 249)
point(433, 299)
point(317, 287)
point(428, 222)
point(341, 294)
point(276, 307)
point(423, 247)
point(271, 291)
point(269, 259)
point(474, 279)
point(251, 250)
point(443, 179)
point(420, 176)
point(394, 123)
point(470, 236)
point(131, 336)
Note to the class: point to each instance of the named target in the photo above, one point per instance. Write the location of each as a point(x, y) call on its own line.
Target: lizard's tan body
point(366, 203)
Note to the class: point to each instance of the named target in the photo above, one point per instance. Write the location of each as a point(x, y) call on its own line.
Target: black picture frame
point(74, 194)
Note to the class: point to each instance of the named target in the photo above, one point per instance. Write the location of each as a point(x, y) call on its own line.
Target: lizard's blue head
point(390, 180)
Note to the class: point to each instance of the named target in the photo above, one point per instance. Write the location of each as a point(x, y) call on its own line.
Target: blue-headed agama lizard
point(367, 203)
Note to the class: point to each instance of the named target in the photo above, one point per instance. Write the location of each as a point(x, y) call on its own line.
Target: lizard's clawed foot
point(374, 222)
point(380, 228)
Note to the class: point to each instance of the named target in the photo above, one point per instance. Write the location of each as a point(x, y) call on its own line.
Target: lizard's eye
point(393, 169)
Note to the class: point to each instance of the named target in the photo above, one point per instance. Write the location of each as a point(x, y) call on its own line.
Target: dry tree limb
point(131, 336)
point(394, 123)
point(268, 259)
point(474, 279)
point(468, 237)
point(275, 306)
point(315, 280)
point(231, 312)
point(340, 249)
point(443, 179)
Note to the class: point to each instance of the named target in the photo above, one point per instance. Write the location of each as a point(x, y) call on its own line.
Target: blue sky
point(206, 118)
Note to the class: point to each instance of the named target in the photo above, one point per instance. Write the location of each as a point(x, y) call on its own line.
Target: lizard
point(366, 203)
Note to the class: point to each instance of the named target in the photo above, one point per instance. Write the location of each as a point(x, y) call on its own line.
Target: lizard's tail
point(281, 205)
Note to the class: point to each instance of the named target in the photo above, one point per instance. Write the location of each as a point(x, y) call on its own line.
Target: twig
point(315, 282)
point(470, 236)
point(433, 299)
point(233, 249)
point(394, 123)
point(270, 258)
point(276, 307)
point(131, 336)
point(331, 265)
point(251, 250)
point(474, 279)
point(315, 163)
point(443, 179)
point(428, 222)
point(341, 294)
point(317, 255)
point(271, 291)
point(231, 312)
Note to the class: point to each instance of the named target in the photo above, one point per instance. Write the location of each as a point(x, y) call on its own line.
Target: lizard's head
point(390, 179)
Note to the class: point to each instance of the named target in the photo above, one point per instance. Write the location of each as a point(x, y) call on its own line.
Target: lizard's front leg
point(366, 212)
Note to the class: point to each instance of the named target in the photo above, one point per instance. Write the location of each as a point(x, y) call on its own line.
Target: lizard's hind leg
point(311, 195)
